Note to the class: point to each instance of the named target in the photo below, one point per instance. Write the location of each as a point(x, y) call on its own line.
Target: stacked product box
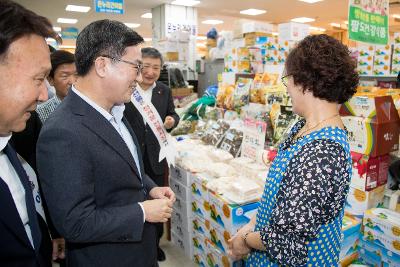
point(181, 220)
point(237, 60)
point(381, 238)
point(372, 124)
point(396, 59)
point(382, 60)
point(350, 239)
point(365, 59)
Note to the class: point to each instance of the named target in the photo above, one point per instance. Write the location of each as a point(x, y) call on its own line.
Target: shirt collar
point(148, 90)
point(117, 112)
point(4, 141)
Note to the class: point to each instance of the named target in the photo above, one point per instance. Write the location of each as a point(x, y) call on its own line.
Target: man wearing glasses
point(98, 193)
point(159, 95)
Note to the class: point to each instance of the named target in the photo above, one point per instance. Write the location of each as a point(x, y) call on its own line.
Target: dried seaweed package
point(214, 134)
point(232, 141)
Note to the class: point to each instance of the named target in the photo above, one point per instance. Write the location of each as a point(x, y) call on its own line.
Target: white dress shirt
point(17, 190)
point(115, 118)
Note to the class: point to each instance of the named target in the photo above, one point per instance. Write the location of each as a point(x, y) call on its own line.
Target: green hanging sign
point(369, 23)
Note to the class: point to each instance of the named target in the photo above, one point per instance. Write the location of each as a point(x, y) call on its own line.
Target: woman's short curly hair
point(322, 65)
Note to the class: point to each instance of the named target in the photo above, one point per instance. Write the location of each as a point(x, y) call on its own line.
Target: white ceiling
point(278, 11)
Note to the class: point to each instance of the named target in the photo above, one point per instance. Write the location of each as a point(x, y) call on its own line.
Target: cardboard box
point(348, 259)
point(201, 208)
point(350, 235)
point(181, 175)
point(237, 66)
point(395, 69)
point(373, 250)
point(183, 211)
point(293, 31)
point(201, 226)
point(181, 226)
point(229, 217)
point(182, 192)
point(365, 70)
point(369, 172)
point(257, 26)
point(373, 124)
point(358, 201)
point(184, 242)
point(383, 221)
point(255, 54)
point(216, 258)
point(255, 38)
point(382, 50)
point(199, 187)
point(381, 70)
point(256, 67)
point(366, 50)
point(178, 92)
point(220, 239)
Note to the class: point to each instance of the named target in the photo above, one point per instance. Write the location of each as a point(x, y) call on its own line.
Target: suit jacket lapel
point(136, 142)
point(104, 129)
point(9, 216)
point(158, 100)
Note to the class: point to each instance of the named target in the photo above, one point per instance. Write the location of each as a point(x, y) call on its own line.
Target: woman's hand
point(237, 247)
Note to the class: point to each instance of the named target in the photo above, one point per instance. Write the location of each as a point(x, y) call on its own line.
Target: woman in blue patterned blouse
point(298, 222)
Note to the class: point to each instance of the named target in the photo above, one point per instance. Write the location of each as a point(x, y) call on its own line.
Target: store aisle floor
point(175, 256)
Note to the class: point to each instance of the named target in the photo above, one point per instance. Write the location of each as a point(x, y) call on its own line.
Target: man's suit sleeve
point(65, 169)
point(148, 183)
point(171, 109)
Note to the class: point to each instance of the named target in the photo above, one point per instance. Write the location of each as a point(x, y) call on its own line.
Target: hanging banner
point(369, 21)
point(69, 33)
point(153, 119)
point(109, 6)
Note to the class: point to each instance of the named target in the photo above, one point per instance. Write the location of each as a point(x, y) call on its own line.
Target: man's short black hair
point(58, 58)
point(17, 21)
point(152, 53)
point(103, 37)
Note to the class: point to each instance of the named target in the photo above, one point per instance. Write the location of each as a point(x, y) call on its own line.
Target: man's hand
point(58, 248)
point(157, 210)
point(162, 192)
point(169, 122)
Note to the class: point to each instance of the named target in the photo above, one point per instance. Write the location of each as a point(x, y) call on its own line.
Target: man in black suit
point(24, 65)
point(160, 96)
point(98, 194)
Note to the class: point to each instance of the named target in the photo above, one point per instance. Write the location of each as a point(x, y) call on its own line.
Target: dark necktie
point(30, 204)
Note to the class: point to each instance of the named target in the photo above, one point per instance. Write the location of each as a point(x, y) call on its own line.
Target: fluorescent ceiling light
point(147, 39)
point(212, 21)
point(253, 12)
point(334, 24)
point(68, 21)
point(317, 29)
point(201, 38)
point(147, 15)
point(83, 9)
point(396, 16)
point(303, 20)
point(185, 2)
point(57, 29)
point(132, 25)
point(311, 1)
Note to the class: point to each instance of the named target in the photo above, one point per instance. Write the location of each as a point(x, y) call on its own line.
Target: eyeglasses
point(137, 66)
point(154, 67)
point(285, 79)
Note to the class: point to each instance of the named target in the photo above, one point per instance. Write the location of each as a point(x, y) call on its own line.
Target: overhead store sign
point(69, 33)
point(109, 6)
point(368, 21)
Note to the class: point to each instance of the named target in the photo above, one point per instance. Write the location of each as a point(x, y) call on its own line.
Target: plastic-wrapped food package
point(242, 93)
point(214, 134)
point(232, 141)
point(221, 185)
point(240, 163)
point(243, 190)
point(219, 155)
point(218, 170)
point(184, 127)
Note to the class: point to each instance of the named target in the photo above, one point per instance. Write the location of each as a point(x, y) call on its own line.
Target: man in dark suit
point(24, 64)
point(89, 160)
point(160, 96)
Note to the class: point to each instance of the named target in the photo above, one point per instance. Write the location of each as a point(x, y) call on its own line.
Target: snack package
point(242, 93)
point(214, 134)
point(232, 141)
point(184, 127)
point(228, 97)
